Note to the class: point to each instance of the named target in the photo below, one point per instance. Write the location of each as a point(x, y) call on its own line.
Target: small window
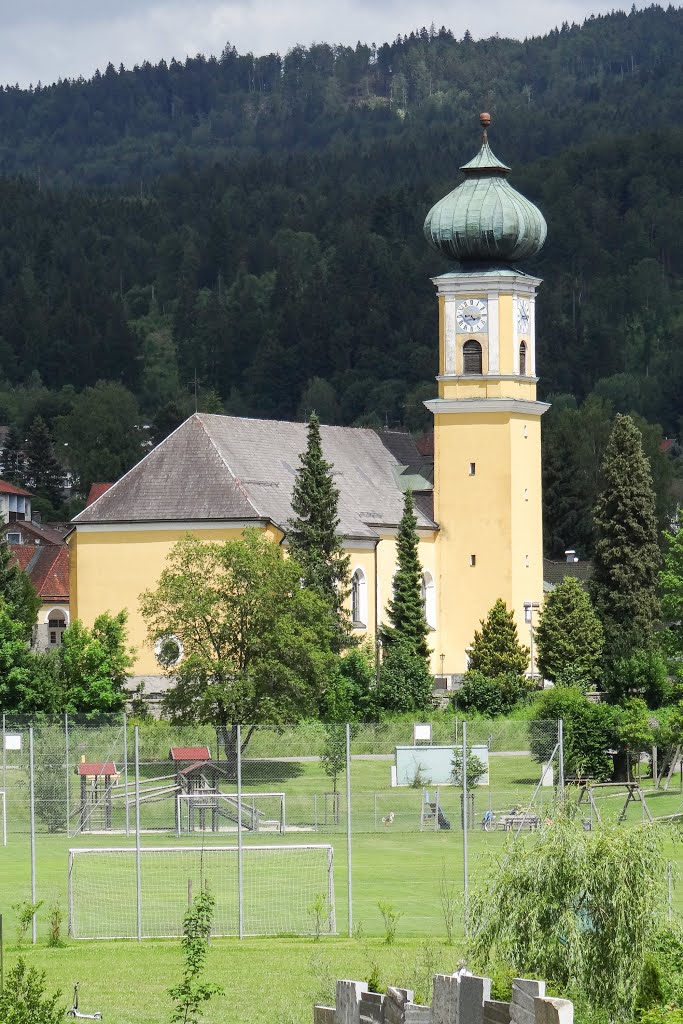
point(526, 493)
point(473, 468)
point(169, 651)
point(473, 560)
point(522, 359)
point(429, 599)
point(14, 538)
point(471, 357)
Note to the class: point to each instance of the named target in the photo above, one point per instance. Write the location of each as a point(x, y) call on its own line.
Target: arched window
point(429, 599)
point(359, 599)
point(57, 622)
point(471, 357)
point(522, 359)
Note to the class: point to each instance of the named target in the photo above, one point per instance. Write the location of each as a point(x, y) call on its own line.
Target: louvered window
point(471, 357)
point(522, 359)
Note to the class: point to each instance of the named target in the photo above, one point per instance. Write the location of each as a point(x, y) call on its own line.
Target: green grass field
point(277, 979)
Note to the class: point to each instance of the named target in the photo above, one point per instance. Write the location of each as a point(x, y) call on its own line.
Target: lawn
point(277, 979)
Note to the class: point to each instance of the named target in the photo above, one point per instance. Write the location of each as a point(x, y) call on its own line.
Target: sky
point(43, 40)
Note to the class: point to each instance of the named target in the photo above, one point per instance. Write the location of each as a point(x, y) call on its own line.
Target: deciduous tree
point(257, 646)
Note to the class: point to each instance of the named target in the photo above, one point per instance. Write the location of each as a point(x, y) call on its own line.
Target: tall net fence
point(389, 800)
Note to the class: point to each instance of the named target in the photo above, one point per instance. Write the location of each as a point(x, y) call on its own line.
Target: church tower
point(487, 421)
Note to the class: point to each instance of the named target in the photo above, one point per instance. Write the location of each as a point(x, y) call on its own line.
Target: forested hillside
point(251, 229)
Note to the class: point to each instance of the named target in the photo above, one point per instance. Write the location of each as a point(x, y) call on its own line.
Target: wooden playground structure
point(634, 794)
point(194, 786)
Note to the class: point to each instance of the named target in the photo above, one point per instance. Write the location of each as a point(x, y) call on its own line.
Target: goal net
point(207, 811)
point(285, 889)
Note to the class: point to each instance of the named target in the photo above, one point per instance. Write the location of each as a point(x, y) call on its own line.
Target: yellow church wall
point(110, 569)
point(486, 516)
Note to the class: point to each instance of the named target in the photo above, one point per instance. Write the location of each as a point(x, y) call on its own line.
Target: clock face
point(523, 316)
point(471, 316)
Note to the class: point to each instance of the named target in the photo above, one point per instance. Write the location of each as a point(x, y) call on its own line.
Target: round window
point(168, 650)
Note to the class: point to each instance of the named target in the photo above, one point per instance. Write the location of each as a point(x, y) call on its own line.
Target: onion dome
point(484, 220)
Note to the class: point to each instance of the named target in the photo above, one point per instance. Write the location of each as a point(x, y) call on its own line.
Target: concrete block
point(496, 1012)
point(524, 994)
point(554, 1011)
point(394, 1004)
point(370, 1008)
point(415, 1013)
point(446, 999)
point(324, 1015)
point(348, 1001)
point(474, 991)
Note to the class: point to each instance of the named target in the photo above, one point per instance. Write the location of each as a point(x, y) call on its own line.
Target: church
point(478, 501)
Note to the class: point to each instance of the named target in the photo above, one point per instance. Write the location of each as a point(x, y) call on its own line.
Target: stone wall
point(456, 999)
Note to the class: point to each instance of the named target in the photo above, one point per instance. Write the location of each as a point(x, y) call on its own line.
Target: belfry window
point(471, 357)
point(522, 359)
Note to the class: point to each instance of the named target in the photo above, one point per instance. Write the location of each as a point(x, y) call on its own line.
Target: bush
point(491, 697)
point(23, 1000)
point(589, 731)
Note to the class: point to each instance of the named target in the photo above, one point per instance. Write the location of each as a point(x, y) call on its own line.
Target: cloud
point(42, 40)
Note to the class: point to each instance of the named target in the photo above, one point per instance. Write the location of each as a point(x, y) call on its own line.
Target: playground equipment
point(634, 794)
point(75, 1012)
point(96, 793)
point(431, 814)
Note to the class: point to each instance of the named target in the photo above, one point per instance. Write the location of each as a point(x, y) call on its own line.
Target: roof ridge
point(238, 483)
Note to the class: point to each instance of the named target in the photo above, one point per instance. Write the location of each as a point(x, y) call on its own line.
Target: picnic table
point(508, 822)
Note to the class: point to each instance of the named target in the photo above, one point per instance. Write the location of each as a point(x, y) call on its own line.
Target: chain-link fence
point(306, 829)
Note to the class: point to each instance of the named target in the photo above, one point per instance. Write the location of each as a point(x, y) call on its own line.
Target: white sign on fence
point(12, 741)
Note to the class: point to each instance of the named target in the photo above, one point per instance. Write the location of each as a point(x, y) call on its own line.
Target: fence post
point(240, 866)
point(4, 783)
point(465, 826)
point(66, 768)
point(125, 771)
point(348, 828)
point(560, 765)
point(34, 922)
point(138, 885)
point(669, 887)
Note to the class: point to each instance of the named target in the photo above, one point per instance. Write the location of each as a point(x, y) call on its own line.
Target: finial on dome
point(484, 220)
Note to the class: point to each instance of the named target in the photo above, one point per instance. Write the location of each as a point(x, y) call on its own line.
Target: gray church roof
point(229, 467)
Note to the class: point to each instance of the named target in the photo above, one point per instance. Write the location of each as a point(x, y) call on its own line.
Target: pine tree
point(496, 650)
point(405, 610)
point(13, 458)
point(569, 636)
point(43, 473)
point(627, 557)
point(313, 538)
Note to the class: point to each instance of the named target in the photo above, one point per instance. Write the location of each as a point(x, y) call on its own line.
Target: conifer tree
point(13, 458)
point(313, 538)
point(569, 636)
point(627, 557)
point(43, 473)
point(405, 611)
point(496, 650)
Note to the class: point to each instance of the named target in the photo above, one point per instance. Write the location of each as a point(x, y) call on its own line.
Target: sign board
point(12, 741)
point(422, 732)
point(433, 766)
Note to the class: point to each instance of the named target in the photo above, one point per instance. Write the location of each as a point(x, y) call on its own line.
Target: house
point(477, 485)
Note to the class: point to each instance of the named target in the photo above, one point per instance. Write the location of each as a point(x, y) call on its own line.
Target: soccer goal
point(285, 889)
point(205, 810)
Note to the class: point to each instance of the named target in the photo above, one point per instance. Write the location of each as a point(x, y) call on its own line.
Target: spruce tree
point(405, 611)
point(569, 636)
point(14, 471)
point(17, 592)
point(313, 538)
point(627, 557)
point(43, 473)
point(496, 650)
